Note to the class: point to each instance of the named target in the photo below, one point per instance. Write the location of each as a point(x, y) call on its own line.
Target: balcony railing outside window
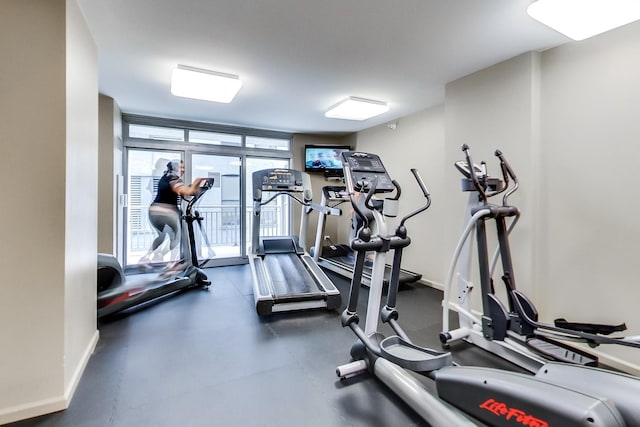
point(221, 223)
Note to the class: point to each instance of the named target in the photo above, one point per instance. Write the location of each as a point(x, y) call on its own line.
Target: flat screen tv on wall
point(324, 158)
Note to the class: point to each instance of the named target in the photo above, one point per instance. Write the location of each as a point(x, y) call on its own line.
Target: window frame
point(190, 148)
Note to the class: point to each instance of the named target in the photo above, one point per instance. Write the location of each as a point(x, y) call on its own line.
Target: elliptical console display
point(364, 170)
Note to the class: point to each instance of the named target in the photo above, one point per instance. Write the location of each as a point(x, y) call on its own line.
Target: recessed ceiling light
point(207, 85)
point(354, 108)
point(581, 19)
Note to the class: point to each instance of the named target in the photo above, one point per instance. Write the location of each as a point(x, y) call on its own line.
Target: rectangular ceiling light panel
point(354, 108)
point(581, 19)
point(207, 85)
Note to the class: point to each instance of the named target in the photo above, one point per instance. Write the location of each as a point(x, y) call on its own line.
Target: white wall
point(417, 142)
point(81, 197)
point(590, 139)
point(109, 177)
point(48, 137)
point(33, 218)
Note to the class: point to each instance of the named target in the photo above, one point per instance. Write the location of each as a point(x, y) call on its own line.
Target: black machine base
point(340, 259)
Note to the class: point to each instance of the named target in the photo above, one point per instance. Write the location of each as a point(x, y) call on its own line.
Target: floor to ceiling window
point(144, 169)
point(227, 154)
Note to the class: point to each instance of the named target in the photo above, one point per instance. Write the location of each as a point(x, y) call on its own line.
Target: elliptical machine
point(117, 292)
point(494, 397)
point(512, 332)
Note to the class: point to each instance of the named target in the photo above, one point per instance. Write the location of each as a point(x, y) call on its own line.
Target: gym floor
point(205, 358)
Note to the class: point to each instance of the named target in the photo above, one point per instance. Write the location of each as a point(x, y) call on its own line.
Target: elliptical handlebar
point(205, 185)
point(474, 178)
point(358, 210)
point(423, 187)
point(426, 194)
point(398, 190)
point(370, 192)
point(506, 173)
point(349, 183)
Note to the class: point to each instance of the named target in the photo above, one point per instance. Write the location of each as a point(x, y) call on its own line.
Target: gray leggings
point(166, 220)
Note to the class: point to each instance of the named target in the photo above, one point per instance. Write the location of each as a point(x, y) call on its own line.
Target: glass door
point(144, 169)
point(220, 207)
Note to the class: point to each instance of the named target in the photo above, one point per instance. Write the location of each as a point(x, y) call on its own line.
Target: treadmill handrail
point(282, 193)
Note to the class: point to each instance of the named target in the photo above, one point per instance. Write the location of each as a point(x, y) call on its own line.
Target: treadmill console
point(287, 180)
point(364, 168)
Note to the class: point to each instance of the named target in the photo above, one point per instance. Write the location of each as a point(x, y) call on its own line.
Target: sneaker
point(166, 275)
point(144, 263)
point(178, 266)
point(172, 270)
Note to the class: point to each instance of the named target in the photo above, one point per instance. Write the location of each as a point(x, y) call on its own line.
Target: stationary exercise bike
point(554, 397)
point(117, 292)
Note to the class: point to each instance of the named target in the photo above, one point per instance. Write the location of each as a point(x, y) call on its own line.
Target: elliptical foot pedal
point(410, 356)
point(590, 328)
point(561, 352)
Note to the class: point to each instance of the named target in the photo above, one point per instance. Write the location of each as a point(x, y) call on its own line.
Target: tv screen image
point(323, 158)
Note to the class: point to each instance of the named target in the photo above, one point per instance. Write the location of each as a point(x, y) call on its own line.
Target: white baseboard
point(77, 374)
point(434, 285)
point(52, 404)
point(617, 363)
point(32, 409)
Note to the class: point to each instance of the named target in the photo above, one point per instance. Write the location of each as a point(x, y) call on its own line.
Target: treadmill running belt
point(347, 261)
point(289, 276)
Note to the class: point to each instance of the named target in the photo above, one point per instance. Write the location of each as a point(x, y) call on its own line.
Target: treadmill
point(340, 258)
point(285, 277)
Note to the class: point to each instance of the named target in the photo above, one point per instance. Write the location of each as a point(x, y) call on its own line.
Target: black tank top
point(166, 194)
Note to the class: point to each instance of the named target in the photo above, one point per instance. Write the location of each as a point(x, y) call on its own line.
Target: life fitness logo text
point(502, 410)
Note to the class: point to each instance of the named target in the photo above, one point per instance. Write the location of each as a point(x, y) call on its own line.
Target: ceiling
point(297, 58)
